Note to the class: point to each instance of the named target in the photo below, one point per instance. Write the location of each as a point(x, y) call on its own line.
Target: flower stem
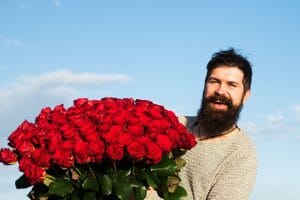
point(115, 167)
point(92, 171)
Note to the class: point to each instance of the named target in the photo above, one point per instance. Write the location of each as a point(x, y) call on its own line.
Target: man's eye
point(233, 85)
point(213, 81)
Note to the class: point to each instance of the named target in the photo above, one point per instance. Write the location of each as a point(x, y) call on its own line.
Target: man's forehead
point(227, 72)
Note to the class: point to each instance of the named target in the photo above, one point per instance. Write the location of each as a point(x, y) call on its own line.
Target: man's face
point(223, 99)
point(224, 85)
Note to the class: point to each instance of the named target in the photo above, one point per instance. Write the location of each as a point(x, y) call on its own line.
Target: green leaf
point(122, 188)
point(173, 183)
point(179, 194)
point(106, 185)
point(48, 180)
point(91, 184)
point(124, 172)
point(89, 196)
point(165, 167)
point(75, 196)
point(39, 191)
point(60, 187)
point(83, 176)
point(151, 179)
point(140, 193)
point(22, 182)
point(180, 163)
point(135, 183)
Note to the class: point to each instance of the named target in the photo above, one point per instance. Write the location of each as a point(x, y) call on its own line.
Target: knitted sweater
point(223, 168)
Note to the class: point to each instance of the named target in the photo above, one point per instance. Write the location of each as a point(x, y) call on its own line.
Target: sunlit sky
point(54, 51)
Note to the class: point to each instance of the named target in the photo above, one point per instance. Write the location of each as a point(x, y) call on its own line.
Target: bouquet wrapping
point(110, 148)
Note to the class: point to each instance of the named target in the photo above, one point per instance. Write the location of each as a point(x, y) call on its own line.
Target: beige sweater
point(223, 168)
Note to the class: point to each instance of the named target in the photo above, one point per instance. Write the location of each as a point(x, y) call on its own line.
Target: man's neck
point(205, 135)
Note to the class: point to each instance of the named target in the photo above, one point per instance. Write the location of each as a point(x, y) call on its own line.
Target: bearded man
point(223, 164)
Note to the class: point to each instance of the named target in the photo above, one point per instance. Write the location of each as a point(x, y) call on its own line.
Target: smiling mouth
point(219, 105)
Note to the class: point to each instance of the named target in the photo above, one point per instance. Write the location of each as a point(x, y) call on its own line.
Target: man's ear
point(246, 96)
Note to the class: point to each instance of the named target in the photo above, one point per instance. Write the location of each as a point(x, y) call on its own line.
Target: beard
point(214, 121)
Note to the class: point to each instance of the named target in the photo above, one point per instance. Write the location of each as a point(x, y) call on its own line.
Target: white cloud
point(3, 67)
point(6, 41)
point(23, 6)
point(250, 127)
point(59, 84)
point(296, 110)
point(56, 3)
point(274, 126)
point(274, 118)
point(65, 77)
point(24, 98)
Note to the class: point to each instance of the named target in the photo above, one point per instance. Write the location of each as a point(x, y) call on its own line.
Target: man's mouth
point(220, 105)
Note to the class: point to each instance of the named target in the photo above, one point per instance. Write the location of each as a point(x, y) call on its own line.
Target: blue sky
point(54, 51)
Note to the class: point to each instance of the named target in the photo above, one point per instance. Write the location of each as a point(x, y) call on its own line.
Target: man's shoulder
point(188, 121)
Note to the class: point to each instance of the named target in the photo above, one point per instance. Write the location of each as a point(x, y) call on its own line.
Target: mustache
point(219, 98)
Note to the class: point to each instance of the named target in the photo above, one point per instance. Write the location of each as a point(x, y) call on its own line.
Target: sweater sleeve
point(236, 177)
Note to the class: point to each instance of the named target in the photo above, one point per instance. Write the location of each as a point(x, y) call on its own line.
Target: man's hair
point(231, 58)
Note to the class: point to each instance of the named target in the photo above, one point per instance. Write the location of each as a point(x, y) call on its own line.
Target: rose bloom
point(33, 173)
point(136, 150)
point(81, 151)
point(136, 129)
point(63, 158)
point(41, 157)
point(156, 111)
point(22, 133)
point(125, 139)
point(113, 134)
point(7, 156)
point(115, 152)
point(153, 153)
point(97, 149)
point(164, 143)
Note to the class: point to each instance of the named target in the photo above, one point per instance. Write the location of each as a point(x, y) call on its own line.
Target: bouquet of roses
point(100, 149)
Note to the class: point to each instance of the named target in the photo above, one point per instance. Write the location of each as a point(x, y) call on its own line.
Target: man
point(223, 163)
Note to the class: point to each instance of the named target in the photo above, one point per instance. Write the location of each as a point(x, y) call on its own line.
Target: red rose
point(153, 153)
point(80, 102)
point(54, 140)
point(24, 132)
point(136, 129)
point(174, 136)
point(128, 103)
point(7, 156)
point(59, 115)
point(125, 139)
point(68, 131)
point(33, 173)
point(164, 142)
point(97, 149)
point(41, 158)
point(188, 140)
point(111, 105)
point(63, 158)
point(115, 152)
point(81, 151)
point(157, 126)
point(112, 135)
point(121, 118)
point(143, 104)
point(156, 111)
point(87, 131)
point(25, 149)
point(136, 150)
point(42, 120)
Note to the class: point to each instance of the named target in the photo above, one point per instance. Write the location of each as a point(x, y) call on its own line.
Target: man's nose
point(221, 90)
